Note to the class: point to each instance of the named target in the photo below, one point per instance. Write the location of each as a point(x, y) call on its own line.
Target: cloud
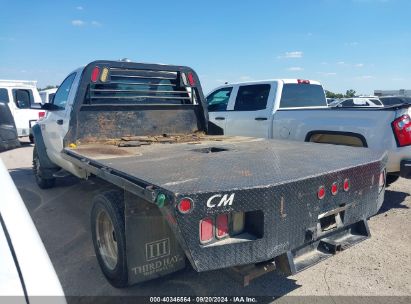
point(353, 43)
point(327, 73)
point(341, 62)
point(78, 22)
point(294, 54)
point(365, 77)
point(96, 23)
point(359, 65)
point(295, 69)
point(79, 8)
point(245, 78)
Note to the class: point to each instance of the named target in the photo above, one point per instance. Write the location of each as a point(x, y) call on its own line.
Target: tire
point(108, 234)
point(391, 179)
point(31, 138)
point(43, 183)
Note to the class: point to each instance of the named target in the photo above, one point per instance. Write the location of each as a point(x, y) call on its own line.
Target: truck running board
point(310, 254)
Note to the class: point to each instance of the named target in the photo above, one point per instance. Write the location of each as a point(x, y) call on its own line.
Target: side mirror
point(51, 107)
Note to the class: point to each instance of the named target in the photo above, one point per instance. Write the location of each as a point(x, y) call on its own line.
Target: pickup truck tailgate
point(274, 183)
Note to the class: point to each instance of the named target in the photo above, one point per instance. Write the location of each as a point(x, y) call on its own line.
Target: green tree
point(350, 93)
point(330, 94)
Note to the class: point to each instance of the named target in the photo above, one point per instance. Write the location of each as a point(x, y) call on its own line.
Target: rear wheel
point(108, 233)
point(38, 171)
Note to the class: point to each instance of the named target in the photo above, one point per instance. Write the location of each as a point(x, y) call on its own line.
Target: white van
point(24, 102)
point(47, 95)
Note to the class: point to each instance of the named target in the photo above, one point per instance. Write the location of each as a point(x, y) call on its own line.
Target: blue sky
point(346, 44)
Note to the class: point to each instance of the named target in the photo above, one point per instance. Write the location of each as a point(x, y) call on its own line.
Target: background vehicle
point(356, 102)
point(174, 192)
point(47, 95)
point(296, 109)
point(24, 102)
point(8, 132)
point(395, 100)
point(26, 271)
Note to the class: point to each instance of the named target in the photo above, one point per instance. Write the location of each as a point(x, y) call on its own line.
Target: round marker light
point(185, 205)
point(334, 189)
point(346, 185)
point(321, 192)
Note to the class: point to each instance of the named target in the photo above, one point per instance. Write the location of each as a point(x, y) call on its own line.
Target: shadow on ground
point(393, 200)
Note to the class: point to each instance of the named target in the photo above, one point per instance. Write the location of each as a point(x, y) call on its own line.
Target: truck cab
point(24, 102)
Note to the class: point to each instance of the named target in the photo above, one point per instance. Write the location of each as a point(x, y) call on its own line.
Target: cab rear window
point(133, 86)
point(302, 95)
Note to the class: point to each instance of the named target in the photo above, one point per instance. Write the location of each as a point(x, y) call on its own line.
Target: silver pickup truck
point(296, 109)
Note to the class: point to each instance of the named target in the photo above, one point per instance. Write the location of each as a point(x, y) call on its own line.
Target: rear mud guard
point(310, 254)
point(152, 250)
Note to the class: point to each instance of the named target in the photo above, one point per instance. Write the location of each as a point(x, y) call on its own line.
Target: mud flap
point(152, 250)
point(310, 254)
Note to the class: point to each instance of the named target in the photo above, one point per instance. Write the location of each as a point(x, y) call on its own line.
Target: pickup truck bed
point(273, 181)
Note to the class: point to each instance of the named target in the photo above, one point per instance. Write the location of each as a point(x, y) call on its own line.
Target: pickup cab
point(296, 109)
point(24, 102)
point(173, 192)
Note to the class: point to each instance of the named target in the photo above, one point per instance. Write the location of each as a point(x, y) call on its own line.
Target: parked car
point(8, 132)
point(357, 102)
point(24, 102)
point(47, 95)
point(395, 100)
point(26, 271)
point(296, 109)
point(177, 193)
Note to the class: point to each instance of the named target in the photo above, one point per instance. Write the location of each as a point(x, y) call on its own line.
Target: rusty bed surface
point(222, 163)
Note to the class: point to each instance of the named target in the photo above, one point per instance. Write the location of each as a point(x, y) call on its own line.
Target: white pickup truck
point(24, 102)
point(296, 109)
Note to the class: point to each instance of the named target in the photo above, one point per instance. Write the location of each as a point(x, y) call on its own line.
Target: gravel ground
point(379, 266)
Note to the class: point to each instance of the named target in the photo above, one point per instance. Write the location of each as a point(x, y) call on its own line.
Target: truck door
point(251, 114)
point(22, 109)
point(55, 126)
point(217, 107)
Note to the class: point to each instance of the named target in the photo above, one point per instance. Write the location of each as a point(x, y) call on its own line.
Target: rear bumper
point(286, 220)
point(405, 168)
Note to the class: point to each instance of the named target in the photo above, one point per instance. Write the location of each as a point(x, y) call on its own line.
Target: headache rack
point(137, 86)
point(117, 99)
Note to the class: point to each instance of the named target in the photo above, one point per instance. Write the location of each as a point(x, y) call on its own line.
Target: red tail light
point(321, 192)
point(41, 115)
point(222, 226)
point(191, 79)
point(95, 73)
point(185, 205)
point(300, 81)
point(346, 185)
point(402, 130)
point(206, 230)
point(334, 189)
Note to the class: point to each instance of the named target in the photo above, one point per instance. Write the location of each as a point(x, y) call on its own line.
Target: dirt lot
point(380, 266)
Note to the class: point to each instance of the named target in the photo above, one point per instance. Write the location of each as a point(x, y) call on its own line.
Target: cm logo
point(224, 200)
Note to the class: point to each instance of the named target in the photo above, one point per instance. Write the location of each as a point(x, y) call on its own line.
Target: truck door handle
point(260, 118)
point(59, 121)
point(220, 118)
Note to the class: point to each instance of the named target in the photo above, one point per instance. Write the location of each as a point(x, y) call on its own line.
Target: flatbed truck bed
point(177, 193)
